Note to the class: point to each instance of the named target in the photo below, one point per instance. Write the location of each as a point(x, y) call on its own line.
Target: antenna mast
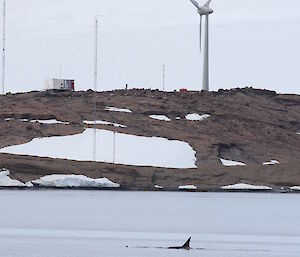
point(164, 76)
point(114, 148)
point(95, 85)
point(3, 47)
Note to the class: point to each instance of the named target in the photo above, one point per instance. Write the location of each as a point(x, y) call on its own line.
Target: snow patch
point(187, 187)
point(272, 162)
point(115, 109)
point(77, 181)
point(6, 181)
point(129, 149)
point(229, 163)
point(197, 117)
point(52, 121)
point(103, 122)
point(160, 117)
point(295, 188)
point(242, 186)
point(28, 184)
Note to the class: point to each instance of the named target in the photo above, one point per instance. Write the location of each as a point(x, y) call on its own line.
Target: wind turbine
point(204, 10)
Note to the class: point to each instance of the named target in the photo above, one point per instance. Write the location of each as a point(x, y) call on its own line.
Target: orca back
point(186, 245)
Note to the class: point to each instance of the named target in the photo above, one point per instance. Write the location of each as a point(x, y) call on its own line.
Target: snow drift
point(272, 162)
point(187, 187)
point(6, 181)
point(112, 147)
point(76, 181)
point(243, 186)
point(197, 117)
point(230, 163)
point(116, 109)
point(160, 117)
point(103, 122)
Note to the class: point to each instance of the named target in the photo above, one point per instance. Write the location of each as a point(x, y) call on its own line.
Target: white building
point(60, 84)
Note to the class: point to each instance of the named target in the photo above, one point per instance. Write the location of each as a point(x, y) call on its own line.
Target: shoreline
point(275, 191)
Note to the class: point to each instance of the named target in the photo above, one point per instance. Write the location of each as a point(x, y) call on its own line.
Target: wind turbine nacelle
point(205, 10)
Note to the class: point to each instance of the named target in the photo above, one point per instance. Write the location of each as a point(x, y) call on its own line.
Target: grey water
point(135, 224)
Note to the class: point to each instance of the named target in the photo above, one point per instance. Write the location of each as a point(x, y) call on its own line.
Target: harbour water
point(134, 224)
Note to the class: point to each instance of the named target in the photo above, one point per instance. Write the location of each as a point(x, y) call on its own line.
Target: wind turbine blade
point(200, 31)
point(194, 2)
point(207, 3)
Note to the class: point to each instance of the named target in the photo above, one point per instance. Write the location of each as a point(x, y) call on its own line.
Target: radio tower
point(95, 85)
point(3, 47)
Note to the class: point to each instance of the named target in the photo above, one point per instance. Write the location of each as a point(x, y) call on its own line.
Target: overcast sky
point(251, 43)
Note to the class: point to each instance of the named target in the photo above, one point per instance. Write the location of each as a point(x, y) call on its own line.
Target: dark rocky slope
point(247, 125)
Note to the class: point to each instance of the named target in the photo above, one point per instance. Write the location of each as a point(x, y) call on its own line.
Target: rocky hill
point(246, 125)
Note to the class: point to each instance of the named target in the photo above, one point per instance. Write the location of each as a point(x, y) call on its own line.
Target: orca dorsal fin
point(187, 244)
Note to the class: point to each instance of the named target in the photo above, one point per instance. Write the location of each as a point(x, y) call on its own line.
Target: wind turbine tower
point(204, 10)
